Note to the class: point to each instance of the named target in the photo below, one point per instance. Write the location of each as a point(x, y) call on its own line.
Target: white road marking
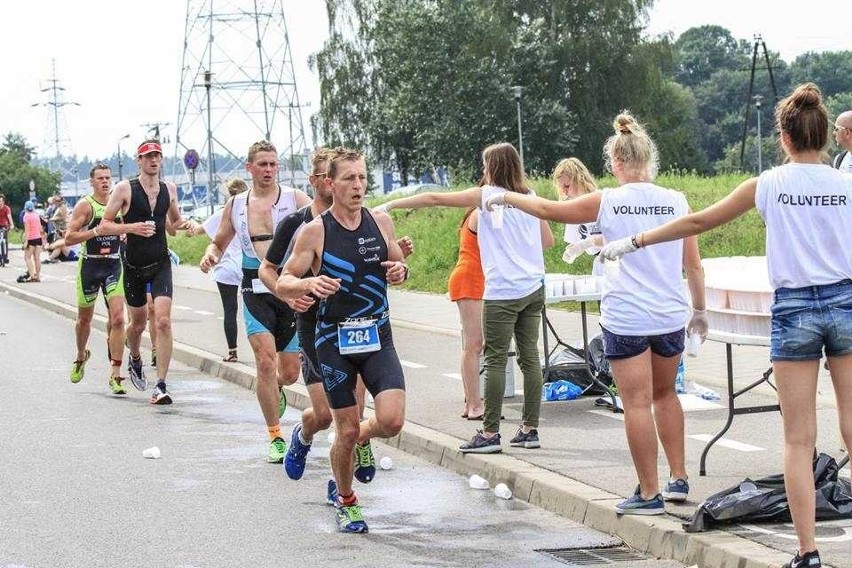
point(724, 442)
point(411, 365)
point(456, 376)
point(691, 402)
point(203, 313)
point(182, 307)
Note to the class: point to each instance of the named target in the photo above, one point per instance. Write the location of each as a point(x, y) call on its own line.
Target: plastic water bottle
point(693, 345)
point(704, 392)
point(477, 482)
point(680, 378)
point(497, 217)
point(502, 491)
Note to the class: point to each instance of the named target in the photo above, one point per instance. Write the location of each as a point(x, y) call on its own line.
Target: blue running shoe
point(331, 496)
point(635, 505)
point(676, 490)
point(297, 453)
point(365, 463)
point(349, 519)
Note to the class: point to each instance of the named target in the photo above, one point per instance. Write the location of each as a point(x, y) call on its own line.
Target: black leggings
point(228, 293)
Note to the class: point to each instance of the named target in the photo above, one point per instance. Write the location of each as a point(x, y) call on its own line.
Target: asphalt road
point(76, 491)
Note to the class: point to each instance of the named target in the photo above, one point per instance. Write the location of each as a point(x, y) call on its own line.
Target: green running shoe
point(350, 520)
point(365, 463)
point(282, 404)
point(78, 369)
point(277, 451)
point(116, 387)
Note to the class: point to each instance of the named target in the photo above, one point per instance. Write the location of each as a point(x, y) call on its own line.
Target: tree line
point(423, 83)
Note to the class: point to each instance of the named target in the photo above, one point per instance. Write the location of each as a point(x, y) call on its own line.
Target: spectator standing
point(843, 137)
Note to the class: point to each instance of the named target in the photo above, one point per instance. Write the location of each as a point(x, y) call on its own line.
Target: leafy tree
point(704, 50)
point(831, 70)
point(16, 172)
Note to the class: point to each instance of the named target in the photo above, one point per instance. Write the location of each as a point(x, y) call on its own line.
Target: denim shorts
point(807, 320)
point(626, 346)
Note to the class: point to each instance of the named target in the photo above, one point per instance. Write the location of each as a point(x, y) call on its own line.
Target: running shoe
point(365, 463)
point(331, 495)
point(137, 375)
point(676, 490)
point(806, 560)
point(349, 518)
point(297, 453)
point(116, 387)
point(525, 439)
point(282, 403)
point(160, 396)
point(78, 369)
point(480, 444)
point(277, 451)
point(635, 505)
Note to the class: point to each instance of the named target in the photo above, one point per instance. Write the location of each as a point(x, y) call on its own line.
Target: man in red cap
point(145, 203)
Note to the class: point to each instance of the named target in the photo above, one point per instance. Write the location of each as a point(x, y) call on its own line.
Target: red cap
point(147, 148)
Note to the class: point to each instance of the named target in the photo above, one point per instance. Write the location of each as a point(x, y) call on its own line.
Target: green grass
point(435, 232)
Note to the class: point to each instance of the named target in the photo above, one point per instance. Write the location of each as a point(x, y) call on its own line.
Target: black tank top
point(142, 251)
point(356, 258)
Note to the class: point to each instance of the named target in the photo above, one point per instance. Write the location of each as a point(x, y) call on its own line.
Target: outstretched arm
point(580, 210)
point(465, 198)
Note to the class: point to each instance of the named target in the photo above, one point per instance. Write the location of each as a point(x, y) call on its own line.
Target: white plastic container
point(693, 345)
point(477, 482)
point(152, 453)
point(502, 491)
point(497, 217)
point(386, 463)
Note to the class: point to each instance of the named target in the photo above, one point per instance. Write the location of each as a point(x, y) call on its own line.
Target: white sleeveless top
point(806, 208)
point(646, 296)
point(285, 205)
point(227, 270)
point(512, 259)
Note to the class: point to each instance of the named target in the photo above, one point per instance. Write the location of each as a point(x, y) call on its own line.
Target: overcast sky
point(121, 61)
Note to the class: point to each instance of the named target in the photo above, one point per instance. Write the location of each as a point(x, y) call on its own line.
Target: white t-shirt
point(228, 270)
point(512, 259)
point(806, 208)
point(845, 165)
point(646, 296)
point(576, 233)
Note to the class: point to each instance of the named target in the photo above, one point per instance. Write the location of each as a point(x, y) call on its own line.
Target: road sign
point(191, 159)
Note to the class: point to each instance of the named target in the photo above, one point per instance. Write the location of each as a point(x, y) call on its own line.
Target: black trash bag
point(764, 500)
point(567, 364)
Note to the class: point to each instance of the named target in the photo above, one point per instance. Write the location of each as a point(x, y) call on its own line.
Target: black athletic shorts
point(264, 313)
point(136, 279)
point(310, 364)
point(380, 370)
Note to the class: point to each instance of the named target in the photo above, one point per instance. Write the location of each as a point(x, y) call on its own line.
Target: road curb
point(661, 537)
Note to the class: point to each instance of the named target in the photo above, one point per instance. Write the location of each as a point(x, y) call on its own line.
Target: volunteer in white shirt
point(571, 178)
point(643, 306)
point(806, 207)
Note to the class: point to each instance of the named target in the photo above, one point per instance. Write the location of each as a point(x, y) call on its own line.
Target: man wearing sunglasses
point(843, 137)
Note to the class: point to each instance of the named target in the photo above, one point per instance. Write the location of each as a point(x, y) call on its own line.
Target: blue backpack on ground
point(560, 390)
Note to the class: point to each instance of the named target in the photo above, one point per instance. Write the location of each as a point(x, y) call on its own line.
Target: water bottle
point(693, 345)
point(502, 491)
point(680, 378)
point(497, 217)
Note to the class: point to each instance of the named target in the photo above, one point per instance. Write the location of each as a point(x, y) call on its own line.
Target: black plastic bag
point(567, 364)
point(765, 500)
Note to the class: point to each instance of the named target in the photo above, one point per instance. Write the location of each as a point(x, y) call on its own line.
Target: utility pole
point(56, 118)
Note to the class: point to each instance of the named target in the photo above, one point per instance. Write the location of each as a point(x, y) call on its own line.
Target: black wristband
point(634, 242)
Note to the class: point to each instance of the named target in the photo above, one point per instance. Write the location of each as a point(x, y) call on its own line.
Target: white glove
point(384, 208)
point(574, 250)
point(617, 249)
point(495, 200)
point(698, 324)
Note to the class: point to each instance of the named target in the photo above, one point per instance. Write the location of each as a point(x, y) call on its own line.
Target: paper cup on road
point(151, 453)
point(502, 491)
point(477, 482)
point(386, 463)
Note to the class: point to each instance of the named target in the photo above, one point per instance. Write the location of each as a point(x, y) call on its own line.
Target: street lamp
point(211, 166)
point(118, 153)
point(757, 99)
point(516, 90)
point(76, 184)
